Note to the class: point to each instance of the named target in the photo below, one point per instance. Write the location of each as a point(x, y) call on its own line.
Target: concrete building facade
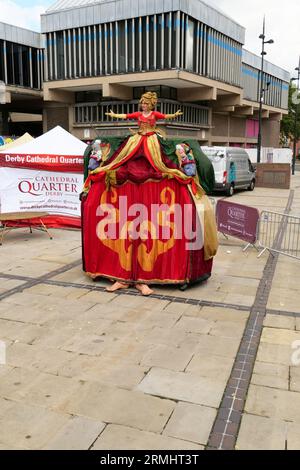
point(104, 54)
point(21, 73)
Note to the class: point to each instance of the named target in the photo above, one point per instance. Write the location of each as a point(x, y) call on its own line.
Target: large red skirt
point(151, 256)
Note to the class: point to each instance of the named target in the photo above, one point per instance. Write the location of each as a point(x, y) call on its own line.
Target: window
point(167, 45)
point(82, 42)
point(252, 128)
point(35, 65)
point(152, 32)
point(137, 44)
point(162, 91)
point(103, 49)
point(160, 29)
point(76, 52)
point(2, 72)
point(122, 44)
point(60, 55)
point(25, 65)
point(113, 45)
point(250, 166)
point(10, 63)
point(17, 58)
point(144, 34)
point(189, 46)
point(129, 32)
point(138, 92)
point(174, 45)
point(68, 56)
point(73, 56)
point(88, 96)
point(98, 45)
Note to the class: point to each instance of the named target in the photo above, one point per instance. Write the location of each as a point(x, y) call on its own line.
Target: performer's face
point(145, 107)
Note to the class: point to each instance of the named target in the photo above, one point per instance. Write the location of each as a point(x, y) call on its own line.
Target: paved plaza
point(90, 370)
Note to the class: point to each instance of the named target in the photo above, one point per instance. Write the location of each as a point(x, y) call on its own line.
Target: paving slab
point(30, 426)
point(126, 438)
point(88, 369)
point(259, 433)
point(191, 423)
point(273, 403)
point(182, 386)
point(114, 405)
point(77, 434)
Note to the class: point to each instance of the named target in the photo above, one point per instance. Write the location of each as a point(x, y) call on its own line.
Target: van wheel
point(230, 191)
point(252, 186)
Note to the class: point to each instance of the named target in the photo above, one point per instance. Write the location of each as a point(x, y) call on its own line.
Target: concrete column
point(55, 115)
point(4, 125)
point(270, 133)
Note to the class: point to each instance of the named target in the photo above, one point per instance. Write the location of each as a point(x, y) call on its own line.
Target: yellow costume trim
point(110, 179)
point(146, 129)
point(208, 223)
point(154, 148)
point(201, 200)
point(138, 281)
point(132, 143)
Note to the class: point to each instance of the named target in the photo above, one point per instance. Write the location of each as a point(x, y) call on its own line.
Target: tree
point(288, 131)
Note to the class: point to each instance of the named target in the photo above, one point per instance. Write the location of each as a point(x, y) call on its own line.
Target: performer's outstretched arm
point(173, 116)
point(159, 115)
point(117, 116)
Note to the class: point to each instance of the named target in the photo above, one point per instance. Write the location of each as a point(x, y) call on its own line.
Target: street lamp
point(296, 119)
point(262, 89)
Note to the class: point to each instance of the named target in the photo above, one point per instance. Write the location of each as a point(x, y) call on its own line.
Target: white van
point(233, 168)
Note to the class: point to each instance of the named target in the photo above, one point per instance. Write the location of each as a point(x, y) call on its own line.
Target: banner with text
point(23, 190)
point(68, 163)
point(238, 220)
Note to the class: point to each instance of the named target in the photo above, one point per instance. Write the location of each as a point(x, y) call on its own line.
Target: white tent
point(16, 143)
point(44, 175)
point(55, 142)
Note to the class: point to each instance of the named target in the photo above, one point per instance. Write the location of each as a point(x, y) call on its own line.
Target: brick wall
point(270, 133)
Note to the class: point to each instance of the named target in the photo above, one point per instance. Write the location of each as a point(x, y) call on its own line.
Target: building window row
point(21, 65)
point(158, 42)
point(276, 93)
point(162, 91)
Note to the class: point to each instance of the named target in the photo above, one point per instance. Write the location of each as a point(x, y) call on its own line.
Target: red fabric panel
point(52, 221)
point(137, 170)
point(170, 264)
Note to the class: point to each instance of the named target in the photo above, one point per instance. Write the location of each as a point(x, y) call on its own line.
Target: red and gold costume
point(140, 171)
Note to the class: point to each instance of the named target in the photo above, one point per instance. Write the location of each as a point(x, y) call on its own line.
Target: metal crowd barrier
point(279, 233)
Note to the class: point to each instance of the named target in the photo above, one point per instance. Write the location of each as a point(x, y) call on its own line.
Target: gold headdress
point(150, 99)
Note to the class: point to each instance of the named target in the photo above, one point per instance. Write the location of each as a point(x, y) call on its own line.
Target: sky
point(282, 23)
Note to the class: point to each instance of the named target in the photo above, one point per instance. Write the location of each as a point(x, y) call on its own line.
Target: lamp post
point(296, 119)
point(262, 89)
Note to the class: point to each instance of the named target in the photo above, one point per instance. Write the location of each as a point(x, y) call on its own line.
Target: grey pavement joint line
point(39, 280)
point(283, 313)
point(188, 301)
point(232, 405)
point(170, 298)
point(30, 282)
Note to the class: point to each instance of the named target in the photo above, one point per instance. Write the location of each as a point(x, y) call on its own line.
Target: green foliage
point(288, 130)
